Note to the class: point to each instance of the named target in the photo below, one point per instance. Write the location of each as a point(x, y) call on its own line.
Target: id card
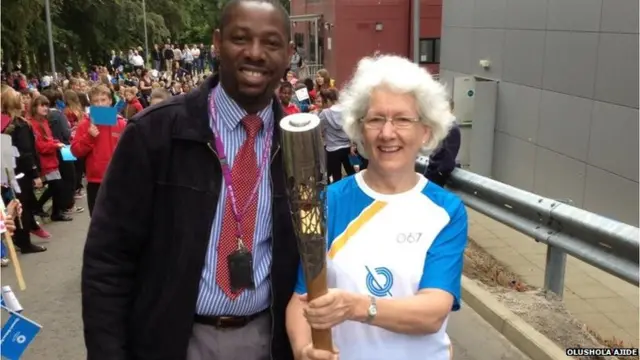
point(241, 270)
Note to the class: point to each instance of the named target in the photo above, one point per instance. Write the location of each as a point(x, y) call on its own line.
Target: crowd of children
point(43, 121)
point(41, 126)
point(319, 96)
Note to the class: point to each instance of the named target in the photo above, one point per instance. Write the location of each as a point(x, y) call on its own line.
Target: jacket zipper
point(275, 152)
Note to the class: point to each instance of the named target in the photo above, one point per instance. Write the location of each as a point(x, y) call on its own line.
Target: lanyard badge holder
point(240, 264)
point(240, 261)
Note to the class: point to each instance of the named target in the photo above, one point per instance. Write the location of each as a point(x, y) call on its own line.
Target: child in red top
point(96, 143)
point(285, 93)
point(74, 111)
point(47, 148)
point(133, 104)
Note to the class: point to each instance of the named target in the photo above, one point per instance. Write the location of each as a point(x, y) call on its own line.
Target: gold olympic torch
point(305, 169)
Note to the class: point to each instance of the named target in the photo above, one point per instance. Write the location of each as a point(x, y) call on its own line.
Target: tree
point(85, 31)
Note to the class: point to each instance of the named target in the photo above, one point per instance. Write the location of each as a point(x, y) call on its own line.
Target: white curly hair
point(400, 75)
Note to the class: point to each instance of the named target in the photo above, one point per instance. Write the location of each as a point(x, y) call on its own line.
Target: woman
point(27, 164)
point(396, 241)
point(145, 85)
point(336, 142)
point(47, 148)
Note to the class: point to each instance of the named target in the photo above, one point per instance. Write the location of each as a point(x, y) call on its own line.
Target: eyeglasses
point(400, 122)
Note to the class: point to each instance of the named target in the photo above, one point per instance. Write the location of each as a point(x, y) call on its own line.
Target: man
point(442, 162)
point(167, 55)
point(164, 275)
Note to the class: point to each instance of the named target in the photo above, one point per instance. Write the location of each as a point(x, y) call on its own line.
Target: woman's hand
point(309, 353)
point(9, 224)
point(329, 310)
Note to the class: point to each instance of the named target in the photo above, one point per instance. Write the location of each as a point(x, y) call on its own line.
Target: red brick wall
point(353, 33)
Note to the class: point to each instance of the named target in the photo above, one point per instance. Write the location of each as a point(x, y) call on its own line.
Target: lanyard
point(226, 170)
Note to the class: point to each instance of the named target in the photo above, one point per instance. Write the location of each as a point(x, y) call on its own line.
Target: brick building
point(348, 30)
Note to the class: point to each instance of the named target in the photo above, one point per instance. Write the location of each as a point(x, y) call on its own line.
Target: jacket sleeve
point(45, 146)
point(24, 143)
point(118, 232)
point(323, 122)
point(443, 161)
point(82, 144)
point(65, 129)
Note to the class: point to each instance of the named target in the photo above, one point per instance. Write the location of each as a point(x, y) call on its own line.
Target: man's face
point(285, 95)
point(253, 50)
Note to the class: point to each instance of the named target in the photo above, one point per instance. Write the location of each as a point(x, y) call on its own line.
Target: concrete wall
point(567, 122)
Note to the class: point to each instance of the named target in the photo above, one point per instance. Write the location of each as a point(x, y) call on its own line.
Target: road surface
point(52, 299)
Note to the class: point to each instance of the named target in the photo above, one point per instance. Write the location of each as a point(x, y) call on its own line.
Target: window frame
point(432, 44)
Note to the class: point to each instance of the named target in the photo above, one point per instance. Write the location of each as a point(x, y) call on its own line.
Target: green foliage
point(85, 31)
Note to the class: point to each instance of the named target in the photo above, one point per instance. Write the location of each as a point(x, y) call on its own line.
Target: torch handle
point(315, 288)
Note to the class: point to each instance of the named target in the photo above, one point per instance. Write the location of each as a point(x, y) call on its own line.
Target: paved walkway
point(605, 303)
point(52, 298)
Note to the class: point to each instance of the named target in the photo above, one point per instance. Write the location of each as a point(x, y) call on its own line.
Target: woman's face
point(43, 109)
point(26, 99)
point(319, 79)
point(393, 145)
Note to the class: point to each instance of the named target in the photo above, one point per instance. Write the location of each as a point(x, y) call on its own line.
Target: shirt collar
point(230, 113)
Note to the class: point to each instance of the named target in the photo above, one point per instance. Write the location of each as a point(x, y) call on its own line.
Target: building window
point(298, 39)
point(430, 51)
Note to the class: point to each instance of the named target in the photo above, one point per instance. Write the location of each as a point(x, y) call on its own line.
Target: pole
point(416, 31)
point(47, 8)
point(146, 39)
point(317, 47)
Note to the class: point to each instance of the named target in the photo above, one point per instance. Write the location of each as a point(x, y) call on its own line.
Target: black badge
point(241, 270)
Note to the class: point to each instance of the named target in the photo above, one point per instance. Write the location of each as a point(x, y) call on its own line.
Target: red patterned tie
point(244, 175)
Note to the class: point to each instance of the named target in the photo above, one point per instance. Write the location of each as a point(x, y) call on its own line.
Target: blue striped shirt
point(211, 299)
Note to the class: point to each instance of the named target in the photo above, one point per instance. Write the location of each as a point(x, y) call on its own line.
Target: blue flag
point(120, 105)
point(102, 115)
point(66, 153)
point(60, 105)
point(17, 333)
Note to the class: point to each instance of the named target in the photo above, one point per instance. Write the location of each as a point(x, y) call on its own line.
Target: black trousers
point(79, 165)
point(66, 188)
point(338, 159)
point(55, 191)
point(68, 173)
point(92, 194)
point(27, 223)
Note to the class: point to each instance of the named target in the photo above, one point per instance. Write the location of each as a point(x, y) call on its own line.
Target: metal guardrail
point(607, 244)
